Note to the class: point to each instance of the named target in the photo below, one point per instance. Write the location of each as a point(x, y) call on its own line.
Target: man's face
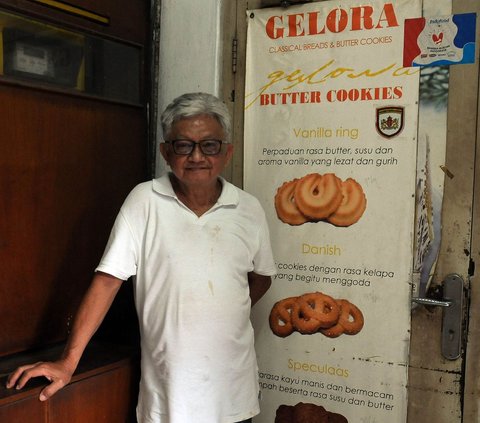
point(197, 169)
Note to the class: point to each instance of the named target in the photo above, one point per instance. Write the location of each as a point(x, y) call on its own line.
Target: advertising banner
point(330, 151)
point(440, 40)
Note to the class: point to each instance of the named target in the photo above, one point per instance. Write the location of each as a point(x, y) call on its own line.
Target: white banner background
point(350, 70)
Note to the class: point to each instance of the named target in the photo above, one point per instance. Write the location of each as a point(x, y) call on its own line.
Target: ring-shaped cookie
point(280, 317)
point(350, 321)
point(352, 206)
point(285, 205)
point(303, 324)
point(320, 307)
point(333, 331)
point(351, 318)
point(318, 196)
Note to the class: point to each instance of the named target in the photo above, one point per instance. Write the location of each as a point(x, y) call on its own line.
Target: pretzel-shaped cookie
point(303, 324)
point(349, 322)
point(280, 317)
point(320, 307)
point(315, 312)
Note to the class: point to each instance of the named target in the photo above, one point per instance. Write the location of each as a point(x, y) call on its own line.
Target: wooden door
point(441, 390)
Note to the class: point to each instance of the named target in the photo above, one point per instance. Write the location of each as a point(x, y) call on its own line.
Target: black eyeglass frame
point(193, 144)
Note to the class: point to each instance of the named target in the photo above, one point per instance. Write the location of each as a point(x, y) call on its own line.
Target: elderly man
point(199, 251)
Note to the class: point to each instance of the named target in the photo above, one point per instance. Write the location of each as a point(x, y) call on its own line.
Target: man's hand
point(93, 309)
point(58, 373)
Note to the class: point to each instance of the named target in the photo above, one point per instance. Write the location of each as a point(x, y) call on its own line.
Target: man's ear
point(164, 151)
point(228, 153)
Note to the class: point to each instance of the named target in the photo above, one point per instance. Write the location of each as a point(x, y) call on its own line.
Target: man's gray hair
point(194, 104)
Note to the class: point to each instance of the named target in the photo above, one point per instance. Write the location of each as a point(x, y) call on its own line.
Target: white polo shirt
point(192, 300)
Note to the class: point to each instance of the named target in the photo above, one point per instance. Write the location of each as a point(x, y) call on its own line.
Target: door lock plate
point(452, 319)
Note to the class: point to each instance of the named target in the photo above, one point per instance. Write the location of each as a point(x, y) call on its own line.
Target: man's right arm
point(90, 315)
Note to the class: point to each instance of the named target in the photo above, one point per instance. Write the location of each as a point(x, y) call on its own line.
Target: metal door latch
point(452, 318)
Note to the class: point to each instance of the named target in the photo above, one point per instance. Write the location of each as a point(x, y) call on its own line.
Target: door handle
point(452, 318)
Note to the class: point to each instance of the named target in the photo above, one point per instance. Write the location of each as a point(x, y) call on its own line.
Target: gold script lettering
point(298, 77)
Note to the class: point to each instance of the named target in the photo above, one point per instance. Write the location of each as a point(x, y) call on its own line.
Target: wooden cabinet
point(75, 141)
point(103, 398)
point(24, 410)
point(103, 390)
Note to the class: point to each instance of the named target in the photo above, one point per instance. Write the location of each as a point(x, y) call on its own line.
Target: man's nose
point(196, 153)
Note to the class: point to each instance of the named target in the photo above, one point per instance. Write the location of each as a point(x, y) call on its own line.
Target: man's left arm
point(258, 285)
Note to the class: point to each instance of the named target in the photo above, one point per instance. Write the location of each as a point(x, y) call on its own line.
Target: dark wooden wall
point(67, 161)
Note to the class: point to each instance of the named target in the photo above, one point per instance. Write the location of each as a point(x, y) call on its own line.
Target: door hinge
point(234, 55)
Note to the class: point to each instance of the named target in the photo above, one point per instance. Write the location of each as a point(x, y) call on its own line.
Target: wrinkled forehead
point(202, 125)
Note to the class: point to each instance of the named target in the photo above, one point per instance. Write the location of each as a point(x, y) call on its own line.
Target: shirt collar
point(228, 197)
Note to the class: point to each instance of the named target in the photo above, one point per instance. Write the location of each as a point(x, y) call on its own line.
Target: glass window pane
point(35, 52)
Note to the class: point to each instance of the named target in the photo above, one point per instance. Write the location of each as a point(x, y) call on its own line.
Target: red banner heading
point(337, 20)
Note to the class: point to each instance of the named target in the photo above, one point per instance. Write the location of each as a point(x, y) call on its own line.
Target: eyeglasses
point(186, 147)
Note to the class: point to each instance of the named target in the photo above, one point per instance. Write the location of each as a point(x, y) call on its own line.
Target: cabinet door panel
point(28, 410)
point(105, 398)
